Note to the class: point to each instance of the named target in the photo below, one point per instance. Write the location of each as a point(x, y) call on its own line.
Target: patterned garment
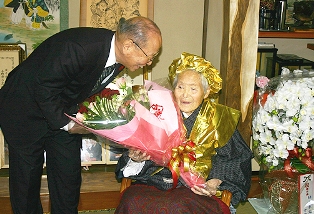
point(142, 199)
point(231, 164)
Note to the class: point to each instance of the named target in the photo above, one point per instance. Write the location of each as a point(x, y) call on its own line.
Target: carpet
point(242, 208)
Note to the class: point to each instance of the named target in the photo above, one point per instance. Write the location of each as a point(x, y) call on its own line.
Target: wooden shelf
point(306, 34)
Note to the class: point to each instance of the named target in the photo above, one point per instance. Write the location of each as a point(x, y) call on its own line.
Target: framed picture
point(18, 24)
point(11, 55)
point(4, 152)
point(92, 151)
point(107, 13)
point(113, 153)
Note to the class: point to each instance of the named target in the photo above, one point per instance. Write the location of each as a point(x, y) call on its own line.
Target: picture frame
point(106, 14)
point(113, 153)
point(19, 26)
point(11, 55)
point(4, 152)
point(93, 150)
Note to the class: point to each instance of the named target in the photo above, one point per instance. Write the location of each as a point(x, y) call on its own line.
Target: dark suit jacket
point(58, 75)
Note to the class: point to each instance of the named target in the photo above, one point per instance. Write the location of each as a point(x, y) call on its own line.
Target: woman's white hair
point(203, 79)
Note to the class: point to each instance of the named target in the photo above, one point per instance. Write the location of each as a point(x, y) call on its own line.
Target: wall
point(181, 24)
point(74, 13)
point(214, 33)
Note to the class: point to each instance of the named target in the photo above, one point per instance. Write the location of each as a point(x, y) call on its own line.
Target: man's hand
point(77, 129)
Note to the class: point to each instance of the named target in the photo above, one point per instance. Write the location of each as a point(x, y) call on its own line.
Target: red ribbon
point(306, 159)
point(262, 98)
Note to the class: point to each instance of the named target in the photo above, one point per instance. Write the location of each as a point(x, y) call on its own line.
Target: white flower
point(271, 104)
point(289, 126)
point(280, 153)
point(287, 143)
point(265, 137)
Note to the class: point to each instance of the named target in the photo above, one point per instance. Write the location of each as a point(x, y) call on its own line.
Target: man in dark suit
point(53, 80)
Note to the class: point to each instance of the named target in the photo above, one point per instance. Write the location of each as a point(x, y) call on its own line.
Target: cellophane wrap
point(155, 131)
point(281, 191)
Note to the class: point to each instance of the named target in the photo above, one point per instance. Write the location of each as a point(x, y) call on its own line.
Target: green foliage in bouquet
point(113, 107)
point(102, 114)
point(297, 164)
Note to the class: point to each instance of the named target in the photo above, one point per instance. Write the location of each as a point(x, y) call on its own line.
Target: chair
point(224, 195)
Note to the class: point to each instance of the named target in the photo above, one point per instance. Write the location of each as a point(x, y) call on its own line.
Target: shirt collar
point(112, 56)
point(185, 115)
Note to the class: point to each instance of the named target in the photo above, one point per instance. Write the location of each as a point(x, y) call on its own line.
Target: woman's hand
point(138, 156)
point(211, 187)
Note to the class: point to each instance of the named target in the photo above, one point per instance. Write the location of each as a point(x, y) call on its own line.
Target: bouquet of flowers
point(283, 134)
point(283, 124)
point(148, 119)
point(113, 106)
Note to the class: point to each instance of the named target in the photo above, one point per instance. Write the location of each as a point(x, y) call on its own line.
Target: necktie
point(107, 71)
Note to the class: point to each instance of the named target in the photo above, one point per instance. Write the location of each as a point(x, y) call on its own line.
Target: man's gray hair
point(137, 28)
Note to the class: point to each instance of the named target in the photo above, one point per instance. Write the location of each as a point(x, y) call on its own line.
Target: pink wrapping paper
point(155, 132)
point(192, 179)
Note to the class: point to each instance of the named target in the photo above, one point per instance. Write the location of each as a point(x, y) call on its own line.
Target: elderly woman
point(220, 150)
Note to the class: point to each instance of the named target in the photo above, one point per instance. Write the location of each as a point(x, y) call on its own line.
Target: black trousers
point(63, 173)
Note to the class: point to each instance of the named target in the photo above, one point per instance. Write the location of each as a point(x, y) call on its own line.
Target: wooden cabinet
point(289, 42)
point(263, 56)
point(306, 34)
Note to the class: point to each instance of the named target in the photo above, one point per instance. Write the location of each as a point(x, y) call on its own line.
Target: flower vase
point(280, 191)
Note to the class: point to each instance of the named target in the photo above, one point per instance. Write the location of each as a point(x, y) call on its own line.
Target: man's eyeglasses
point(149, 59)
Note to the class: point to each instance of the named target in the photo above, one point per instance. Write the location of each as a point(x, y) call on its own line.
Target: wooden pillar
point(238, 59)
